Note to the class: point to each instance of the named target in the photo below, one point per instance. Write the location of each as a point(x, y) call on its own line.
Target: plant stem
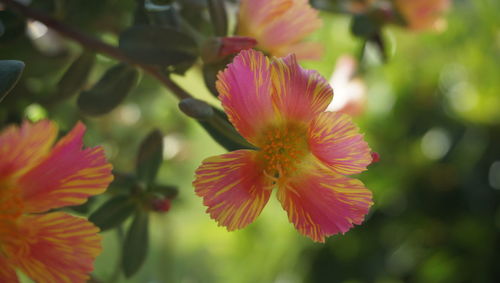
point(96, 45)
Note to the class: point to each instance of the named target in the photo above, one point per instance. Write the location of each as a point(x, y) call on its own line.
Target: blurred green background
point(433, 115)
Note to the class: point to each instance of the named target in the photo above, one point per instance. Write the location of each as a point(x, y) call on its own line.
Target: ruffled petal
point(336, 141)
point(233, 188)
point(292, 26)
point(277, 24)
point(7, 272)
point(55, 247)
point(68, 176)
point(299, 94)
point(244, 90)
point(323, 203)
point(21, 148)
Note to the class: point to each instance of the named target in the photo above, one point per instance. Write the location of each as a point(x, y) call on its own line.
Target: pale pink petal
point(244, 90)
point(299, 94)
point(303, 50)
point(292, 26)
point(233, 188)
point(336, 141)
point(322, 203)
point(277, 24)
point(55, 247)
point(67, 176)
point(21, 148)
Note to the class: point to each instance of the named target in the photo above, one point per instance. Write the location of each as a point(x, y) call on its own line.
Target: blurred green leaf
point(122, 183)
point(10, 72)
point(136, 244)
point(14, 25)
point(75, 76)
point(364, 26)
point(113, 212)
point(162, 15)
point(2, 28)
point(210, 72)
point(218, 16)
point(110, 91)
point(161, 46)
point(150, 157)
point(215, 122)
point(196, 108)
point(165, 190)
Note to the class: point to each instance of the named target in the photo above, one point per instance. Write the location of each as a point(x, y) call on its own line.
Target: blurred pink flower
point(302, 150)
point(35, 178)
point(280, 26)
point(423, 14)
point(349, 91)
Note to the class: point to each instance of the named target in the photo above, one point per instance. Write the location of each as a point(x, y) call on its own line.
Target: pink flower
point(302, 151)
point(36, 177)
point(423, 14)
point(350, 91)
point(280, 26)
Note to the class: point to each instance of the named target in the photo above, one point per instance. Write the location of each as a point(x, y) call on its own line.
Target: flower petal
point(68, 176)
point(233, 188)
point(22, 148)
point(323, 203)
point(299, 94)
point(244, 88)
point(303, 50)
point(277, 24)
point(7, 272)
point(336, 141)
point(292, 26)
point(55, 247)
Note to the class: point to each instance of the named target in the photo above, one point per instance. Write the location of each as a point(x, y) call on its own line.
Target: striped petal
point(68, 176)
point(336, 141)
point(7, 272)
point(21, 148)
point(303, 50)
point(233, 188)
point(299, 94)
point(55, 247)
point(244, 90)
point(277, 24)
point(323, 203)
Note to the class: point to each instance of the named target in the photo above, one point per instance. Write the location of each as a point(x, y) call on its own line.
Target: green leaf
point(165, 190)
point(160, 46)
point(150, 157)
point(75, 76)
point(2, 28)
point(365, 26)
point(196, 108)
point(113, 212)
point(224, 133)
point(110, 91)
point(218, 16)
point(136, 244)
point(10, 72)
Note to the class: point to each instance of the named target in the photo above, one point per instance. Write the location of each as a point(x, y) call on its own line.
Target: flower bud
point(160, 204)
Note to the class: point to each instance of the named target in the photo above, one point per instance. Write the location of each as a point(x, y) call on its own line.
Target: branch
point(96, 45)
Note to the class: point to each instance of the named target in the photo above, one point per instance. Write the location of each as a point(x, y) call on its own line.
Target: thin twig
point(96, 45)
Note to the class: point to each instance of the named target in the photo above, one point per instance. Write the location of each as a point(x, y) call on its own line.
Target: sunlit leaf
point(110, 91)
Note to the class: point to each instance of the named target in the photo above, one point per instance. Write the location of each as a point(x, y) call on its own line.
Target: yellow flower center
point(283, 150)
